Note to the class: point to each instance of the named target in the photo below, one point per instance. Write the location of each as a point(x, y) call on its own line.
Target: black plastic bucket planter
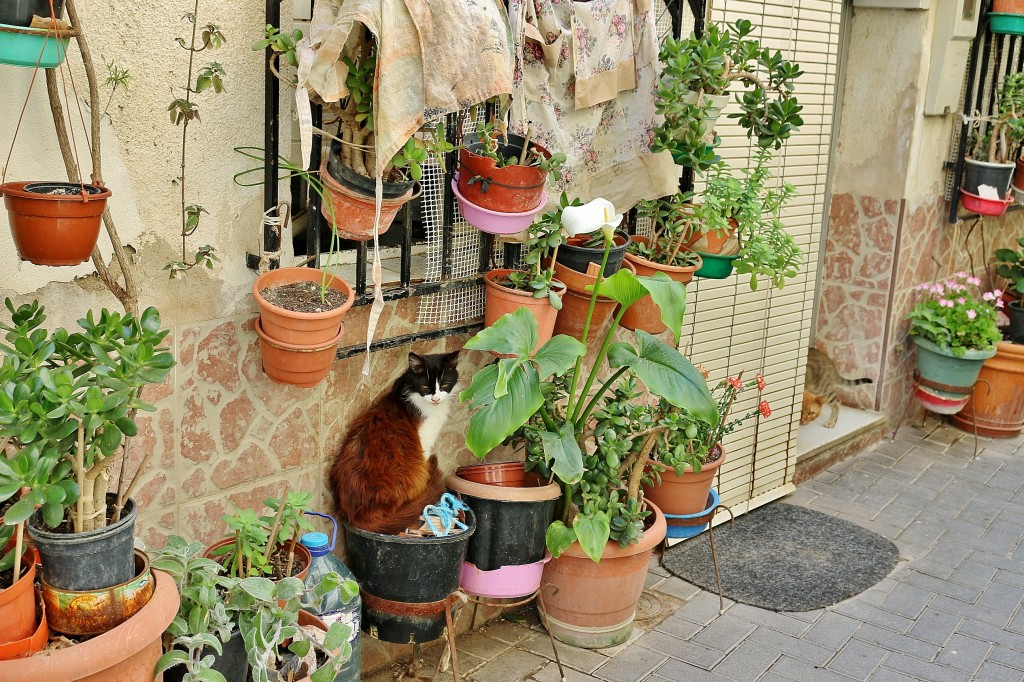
point(19, 12)
point(364, 185)
point(511, 521)
point(1015, 311)
point(580, 257)
point(406, 581)
point(94, 560)
point(977, 173)
point(232, 663)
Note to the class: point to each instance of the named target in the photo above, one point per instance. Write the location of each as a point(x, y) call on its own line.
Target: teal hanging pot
point(715, 266)
point(943, 382)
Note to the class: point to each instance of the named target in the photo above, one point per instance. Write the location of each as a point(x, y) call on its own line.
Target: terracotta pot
point(54, 229)
point(592, 605)
point(91, 612)
point(996, 406)
point(300, 328)
point(18, 603)
point(299, 365)
point(37, 641)
point(128, 653)
point(686, 494)
point(1018, 172)
point(576, 302)
point(302, 556)
point(512, 189)
point(354, 211)
point(307, 619)
point(504, 474)
point(1008, 7)
point(501, 300)
point(714, 241)
point(644, 314)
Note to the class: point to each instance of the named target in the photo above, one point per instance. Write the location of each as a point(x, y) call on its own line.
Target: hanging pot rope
point(279, 223)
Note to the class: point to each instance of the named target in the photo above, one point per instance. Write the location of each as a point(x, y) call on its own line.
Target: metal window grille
point(993, 57)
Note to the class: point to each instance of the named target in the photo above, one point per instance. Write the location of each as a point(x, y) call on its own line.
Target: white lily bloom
point(589, 217)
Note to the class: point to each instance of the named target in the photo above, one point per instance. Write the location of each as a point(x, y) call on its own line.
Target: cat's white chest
point(434, 418)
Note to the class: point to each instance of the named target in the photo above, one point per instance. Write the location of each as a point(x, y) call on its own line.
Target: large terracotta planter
point(501, 300)
point(686, 494)
point(300, 328)
point(54, 229)
point(943, 382)
point(592, 605)
point(576, 302)
point(128, 653)
point(18, 604)
point(645, 314)
point(996, 407)
point(511, 189)
point(354, 211)
point(302, 556)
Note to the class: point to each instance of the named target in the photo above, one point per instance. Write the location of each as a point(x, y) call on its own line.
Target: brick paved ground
point(951, 610)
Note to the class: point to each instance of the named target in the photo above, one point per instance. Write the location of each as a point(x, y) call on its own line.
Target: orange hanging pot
point(54, 223)
point(354, 211)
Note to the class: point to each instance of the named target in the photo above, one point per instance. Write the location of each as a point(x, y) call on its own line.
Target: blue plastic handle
point(334, 527)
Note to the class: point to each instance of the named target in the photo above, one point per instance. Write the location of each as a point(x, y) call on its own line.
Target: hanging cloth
point(585, 81)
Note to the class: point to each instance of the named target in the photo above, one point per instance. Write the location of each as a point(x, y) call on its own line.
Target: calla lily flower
point(590, 217)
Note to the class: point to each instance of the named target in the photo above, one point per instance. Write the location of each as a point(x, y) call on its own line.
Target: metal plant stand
point(703, 519)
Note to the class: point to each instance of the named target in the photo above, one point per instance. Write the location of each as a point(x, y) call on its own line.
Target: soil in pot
point(686, 494)
point(511, 519)
point(574, 255)
point(304, 297)
point(92, 560)
point(278, 559)
point(592, 605)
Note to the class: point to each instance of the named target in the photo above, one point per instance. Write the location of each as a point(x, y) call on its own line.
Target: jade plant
point(997, 138)
point(67, 407)
point(1011, 266)
point(560, 411)
point(493, 134)
point(675, 226)
point(693, 67)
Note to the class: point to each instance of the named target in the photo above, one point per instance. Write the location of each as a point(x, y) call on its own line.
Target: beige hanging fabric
point(586, 76)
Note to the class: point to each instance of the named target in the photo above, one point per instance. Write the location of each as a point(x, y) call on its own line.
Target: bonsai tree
point(67, 405)
point(214, 605)
point(694, 67)
point(997, 138)
point(764, 246)
point(1011, 266)
point(549, 403)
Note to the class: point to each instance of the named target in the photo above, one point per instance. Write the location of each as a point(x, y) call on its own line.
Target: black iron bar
point(396, 341)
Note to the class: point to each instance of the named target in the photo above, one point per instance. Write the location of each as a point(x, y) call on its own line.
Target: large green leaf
point(670, 297)
point(562, 449)
point(558, 355)
point(592, 532)
point(495, 418)
point(668, 374)
point(513, 334)
point(623, 287)
point(559, 538)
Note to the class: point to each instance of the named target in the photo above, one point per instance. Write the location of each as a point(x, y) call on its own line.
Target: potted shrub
point(602, 539)
point(697, 74)
point(54, 223)
point(992, 147)
point(67, 401)
point(763, 246)
point(955, 333)
point(1011, 266)
point(505, 173)
point(267, 544)
point(689, 450)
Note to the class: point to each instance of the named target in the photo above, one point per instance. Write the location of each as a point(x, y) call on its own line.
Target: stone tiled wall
point(876, 251)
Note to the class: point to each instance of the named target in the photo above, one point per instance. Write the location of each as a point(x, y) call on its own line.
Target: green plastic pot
point(1006, 23)
point(716, 266)
point(944, 382)
point(27, 49)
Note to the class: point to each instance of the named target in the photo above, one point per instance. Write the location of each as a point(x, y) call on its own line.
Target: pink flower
point(999, 303)
point(766, 411)
point(988, 296)
point(736, 383)
point(945, 303)
point(973, 280)
point(971, 314)
point(937, 289)
point(761, 383)
point(997, 292)
point(961, 300)
point(960, 274)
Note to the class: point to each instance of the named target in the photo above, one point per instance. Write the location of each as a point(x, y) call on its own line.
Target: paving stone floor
point(951, 610)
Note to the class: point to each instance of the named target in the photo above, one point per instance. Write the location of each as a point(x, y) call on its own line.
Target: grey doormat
point(786, 558)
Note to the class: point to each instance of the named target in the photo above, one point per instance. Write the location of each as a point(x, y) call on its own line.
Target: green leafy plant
point(117, 79)
point(1011, 266)
point(258, 537)
point(708, 65)
point(764, 246)
point(183, 111)
point(547, 402)
point(950, 314)
point(674, 225)
point(493, 136)
point(997, 138)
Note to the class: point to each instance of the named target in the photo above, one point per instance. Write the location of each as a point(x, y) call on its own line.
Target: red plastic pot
point(990, 207)
point(511, 189)
point(54, 229)
point(502, 474)
point(645, 314)
point(501, 300)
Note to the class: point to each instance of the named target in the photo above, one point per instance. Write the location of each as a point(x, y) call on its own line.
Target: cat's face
point(433, 377)
point(812, 407)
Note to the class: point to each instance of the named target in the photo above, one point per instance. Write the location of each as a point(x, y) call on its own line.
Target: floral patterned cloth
point(562, 47)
